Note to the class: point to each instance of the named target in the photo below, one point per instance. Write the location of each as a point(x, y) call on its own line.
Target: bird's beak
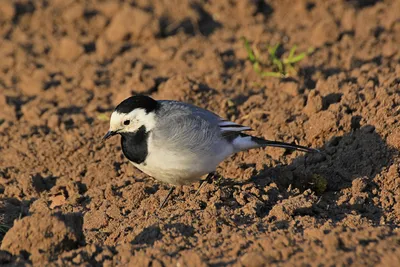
point(108, 135)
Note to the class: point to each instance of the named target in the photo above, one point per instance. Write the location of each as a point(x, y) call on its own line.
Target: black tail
point(264, 143)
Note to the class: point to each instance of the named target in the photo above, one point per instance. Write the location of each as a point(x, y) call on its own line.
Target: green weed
point(281, 67)
point(319, 182)
point(102, 117)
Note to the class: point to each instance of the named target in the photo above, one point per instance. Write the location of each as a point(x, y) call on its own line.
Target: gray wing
point(170, 107)
point(225, 126)
point(187, 127)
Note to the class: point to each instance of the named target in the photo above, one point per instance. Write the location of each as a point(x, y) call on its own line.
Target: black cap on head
point(137, 101)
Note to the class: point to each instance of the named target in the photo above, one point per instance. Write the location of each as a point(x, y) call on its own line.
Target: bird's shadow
point(348, 162)
point(149, 235)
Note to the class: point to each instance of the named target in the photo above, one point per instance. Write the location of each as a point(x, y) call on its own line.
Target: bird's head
point(131, 114)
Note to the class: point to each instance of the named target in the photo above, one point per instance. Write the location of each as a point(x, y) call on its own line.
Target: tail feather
point(246, 142)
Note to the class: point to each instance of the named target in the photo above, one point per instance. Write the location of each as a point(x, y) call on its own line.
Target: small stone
point(108, 8)
point(69, 50)
point(324, 32)
point(320, 123)
point(128, 20)
point(393, 171)
point(113, 212)
point(253, 259)
point(313, 233)
point(33, 84)
point(73, 12)
point(314, 103)
point(331, 242)
point(3, 100)
point(102, 47)
point(291, 88)
point(120, 96)
point(78, 259)
point(140, 84)
point(279, 213)
point(389, 48)
point(7, 10)
point(7, 48)
point(57, 201)
point(359, 185)
point(190, 258)
point(348, 19)
point(95, 219)
point(53, 121)
point(155, 52)
point(393, 138)
point(7, 112)
point(87, 83)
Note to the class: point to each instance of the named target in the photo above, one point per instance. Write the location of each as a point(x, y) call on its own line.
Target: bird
point(178, 143)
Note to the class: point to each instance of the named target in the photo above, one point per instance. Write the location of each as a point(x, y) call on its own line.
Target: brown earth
point(68, 199)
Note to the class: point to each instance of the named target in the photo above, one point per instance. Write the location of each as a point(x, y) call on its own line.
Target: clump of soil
point(41, 237)
point(68, 199)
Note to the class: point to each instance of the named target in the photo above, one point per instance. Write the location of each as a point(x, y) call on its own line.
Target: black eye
point(127, 122)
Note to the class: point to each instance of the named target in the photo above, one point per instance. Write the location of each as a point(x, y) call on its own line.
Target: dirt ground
point(68, 199)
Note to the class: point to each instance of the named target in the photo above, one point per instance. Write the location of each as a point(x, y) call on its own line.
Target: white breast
point(179, 166)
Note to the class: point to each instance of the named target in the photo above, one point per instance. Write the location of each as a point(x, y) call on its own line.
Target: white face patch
point(136, 118)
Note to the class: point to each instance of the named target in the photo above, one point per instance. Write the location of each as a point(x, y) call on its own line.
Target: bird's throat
point(134, 145)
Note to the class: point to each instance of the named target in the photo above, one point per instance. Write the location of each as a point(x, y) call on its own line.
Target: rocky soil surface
point(67, 199)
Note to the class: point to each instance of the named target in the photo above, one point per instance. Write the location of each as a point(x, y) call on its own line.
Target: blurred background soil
point(68, 199)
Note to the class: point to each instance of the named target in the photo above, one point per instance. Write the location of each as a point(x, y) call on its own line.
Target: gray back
point(187, 128)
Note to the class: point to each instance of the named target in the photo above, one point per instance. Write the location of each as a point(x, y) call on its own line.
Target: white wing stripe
point(228, 126)
point(224, 122)
point(235, 129)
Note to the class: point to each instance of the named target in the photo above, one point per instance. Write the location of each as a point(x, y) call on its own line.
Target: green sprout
point(102, 117)
point(282, 67)
point(319, 182)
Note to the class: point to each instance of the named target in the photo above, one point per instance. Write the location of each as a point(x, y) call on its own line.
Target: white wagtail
point(177, 143)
